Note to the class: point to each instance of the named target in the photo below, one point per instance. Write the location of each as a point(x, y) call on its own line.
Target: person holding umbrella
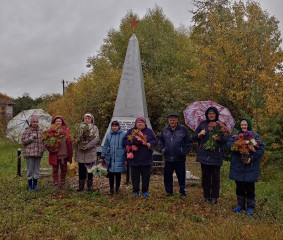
point(247, 150)
point(33, 151)
point(210, 153)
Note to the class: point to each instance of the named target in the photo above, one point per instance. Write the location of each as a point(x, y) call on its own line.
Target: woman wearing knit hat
point(33, 151)
point(85, 153)
point(245, 171)
point(114, 152)
point(58, 158)
point(139, 142)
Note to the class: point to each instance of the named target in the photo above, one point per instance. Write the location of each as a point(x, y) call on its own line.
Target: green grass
point(50, 214)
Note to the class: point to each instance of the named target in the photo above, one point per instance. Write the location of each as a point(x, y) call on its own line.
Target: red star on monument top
point(134, 23)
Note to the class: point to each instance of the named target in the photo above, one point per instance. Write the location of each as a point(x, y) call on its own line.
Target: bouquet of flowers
point(98, 170)
point(216, 128)
point(245, 144)
point(138, 138)
point(83, 137)
point(53, 136)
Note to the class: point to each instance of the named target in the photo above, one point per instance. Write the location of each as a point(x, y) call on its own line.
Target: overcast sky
point(45, 41)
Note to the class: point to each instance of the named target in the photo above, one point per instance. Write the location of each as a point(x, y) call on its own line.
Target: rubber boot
point(241, 204)
point(251, 203)
point(35, 184)
point(81, 185)
point(89, 185)
point(29, 184)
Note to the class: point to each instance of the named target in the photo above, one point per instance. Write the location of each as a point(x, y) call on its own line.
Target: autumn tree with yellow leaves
point(238, 58)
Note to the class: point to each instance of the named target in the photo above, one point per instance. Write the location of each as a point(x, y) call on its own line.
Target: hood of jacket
point(119, 131)
point(249, 123)
point(92, 117)
point(63, 122)
point(216, 112)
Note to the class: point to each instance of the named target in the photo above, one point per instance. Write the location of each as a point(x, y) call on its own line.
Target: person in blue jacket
point(211, 161)
point(140, 156)
point(115, 155)
point(245, 172)
point(175, 143)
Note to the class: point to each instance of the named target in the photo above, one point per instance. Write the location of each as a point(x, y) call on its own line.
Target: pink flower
point(128, 148)
point(130, 155)
point(212, 124)
point(134, 148)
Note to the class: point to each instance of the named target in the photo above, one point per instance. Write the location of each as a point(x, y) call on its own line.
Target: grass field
point(51, 214)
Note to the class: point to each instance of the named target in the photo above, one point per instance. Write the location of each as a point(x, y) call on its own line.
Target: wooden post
point(19, 162)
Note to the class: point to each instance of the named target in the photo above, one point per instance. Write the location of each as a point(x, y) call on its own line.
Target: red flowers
point(134, 148)
point(130, 150)
point(138, 138)
point(130, 155)
point(53, 136)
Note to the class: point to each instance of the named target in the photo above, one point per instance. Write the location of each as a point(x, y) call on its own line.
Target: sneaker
point(250, 212)
point(169, 194)
point(238, 209)
point(135, 194)
point(63, 186)
point(56, 186)
point(145, 194)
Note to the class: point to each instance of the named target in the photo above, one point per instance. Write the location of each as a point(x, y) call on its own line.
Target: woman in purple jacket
point(139, 142)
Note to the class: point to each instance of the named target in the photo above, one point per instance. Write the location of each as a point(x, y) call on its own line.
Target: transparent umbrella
point(17, 125)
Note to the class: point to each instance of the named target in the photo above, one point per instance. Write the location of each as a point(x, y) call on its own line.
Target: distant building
point(6, 108)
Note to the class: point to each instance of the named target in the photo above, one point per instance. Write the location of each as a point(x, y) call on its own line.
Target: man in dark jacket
point(175, 143)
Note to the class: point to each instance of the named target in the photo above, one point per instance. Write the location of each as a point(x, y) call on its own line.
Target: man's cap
point(173, 115)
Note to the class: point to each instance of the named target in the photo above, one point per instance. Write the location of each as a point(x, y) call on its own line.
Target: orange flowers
point(245, 143)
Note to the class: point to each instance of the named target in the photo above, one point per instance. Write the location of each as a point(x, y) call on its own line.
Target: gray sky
point(45, 41)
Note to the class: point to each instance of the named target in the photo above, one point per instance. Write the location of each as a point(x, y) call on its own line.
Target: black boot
point(111, 191)
point(81, 185)
point(213, 201)
point(89, 185)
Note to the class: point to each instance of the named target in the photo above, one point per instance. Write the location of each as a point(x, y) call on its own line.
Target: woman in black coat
point(245, 172)
point(211, 161)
